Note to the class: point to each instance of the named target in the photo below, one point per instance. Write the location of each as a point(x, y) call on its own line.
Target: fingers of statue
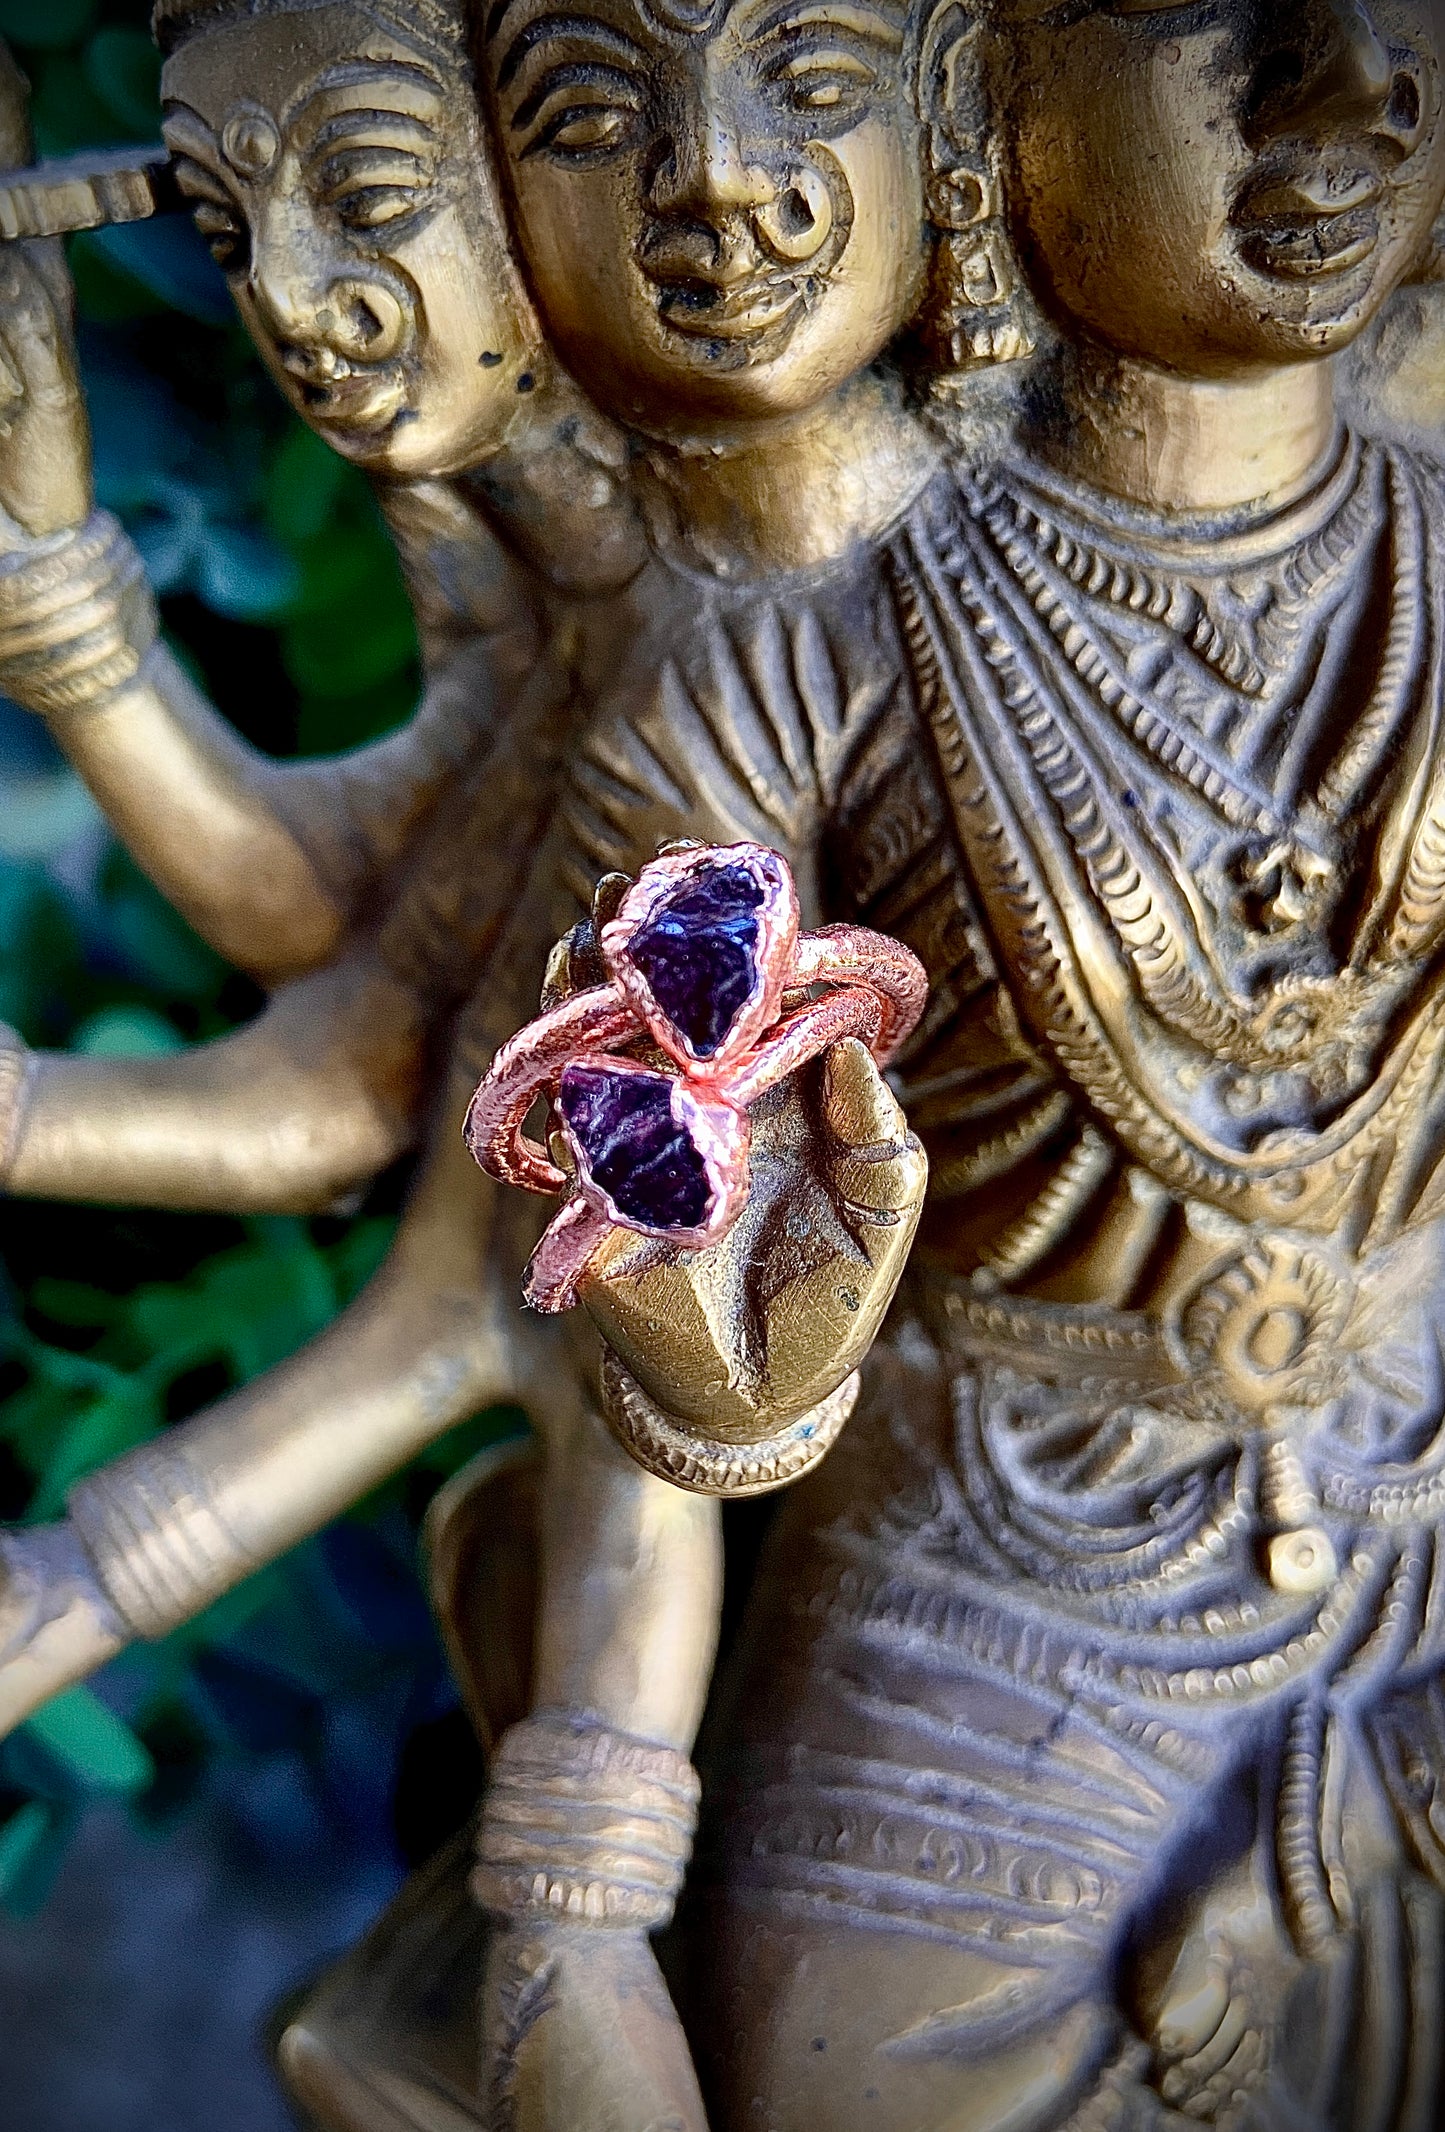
point(578, 2029)
point(12, 390)
point(56, 1623)
point(576, 963)
point(744, 1336)
point(33, 330)
point(20, 1599)
point(878, 1167)
point(44, 439)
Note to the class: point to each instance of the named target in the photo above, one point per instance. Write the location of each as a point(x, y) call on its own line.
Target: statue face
point(343, 184)
point(721, 222)
point(1225, 185)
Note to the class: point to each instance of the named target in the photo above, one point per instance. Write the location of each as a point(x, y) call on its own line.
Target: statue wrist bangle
point(681, 1453)
point(584, 1825)
point(76, 619)
point(709, 969)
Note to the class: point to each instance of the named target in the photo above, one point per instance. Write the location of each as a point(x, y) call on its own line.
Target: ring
point(706, 965)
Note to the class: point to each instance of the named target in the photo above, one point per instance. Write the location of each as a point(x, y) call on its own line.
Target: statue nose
point(789, 216)
point(363, 320)
point(360, 320)
point(707, 175)
point(797, 221)
point(1334, 71)
point(308, 296)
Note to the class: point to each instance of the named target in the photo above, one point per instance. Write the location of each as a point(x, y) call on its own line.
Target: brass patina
point(989, 452)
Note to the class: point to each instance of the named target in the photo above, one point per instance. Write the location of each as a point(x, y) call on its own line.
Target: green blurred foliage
point(280, 591)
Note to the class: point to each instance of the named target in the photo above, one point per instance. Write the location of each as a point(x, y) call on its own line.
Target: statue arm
point(157, 1535)
point(270, 861)
point(196, 808)
point(300, 1106)
point(323, 1088)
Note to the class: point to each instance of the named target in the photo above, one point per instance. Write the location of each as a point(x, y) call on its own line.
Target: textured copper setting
point(704, 952)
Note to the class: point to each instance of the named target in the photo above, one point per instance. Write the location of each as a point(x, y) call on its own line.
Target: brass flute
point(89, 191)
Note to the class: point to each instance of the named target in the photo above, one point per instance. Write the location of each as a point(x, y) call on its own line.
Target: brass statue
point(977, 457)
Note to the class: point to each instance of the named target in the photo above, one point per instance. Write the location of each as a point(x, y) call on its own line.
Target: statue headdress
point(437, 24)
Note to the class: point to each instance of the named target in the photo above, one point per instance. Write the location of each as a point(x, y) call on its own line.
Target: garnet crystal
point(699, 954)
point(634, 1147)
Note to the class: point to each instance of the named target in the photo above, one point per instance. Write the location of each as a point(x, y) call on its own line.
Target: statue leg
point(588, 1803)
point(578, 2033)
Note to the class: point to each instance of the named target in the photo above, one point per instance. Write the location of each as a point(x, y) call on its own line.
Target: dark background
point(189, 1837)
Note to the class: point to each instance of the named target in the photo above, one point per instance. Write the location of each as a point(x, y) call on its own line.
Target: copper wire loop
point(879, 993)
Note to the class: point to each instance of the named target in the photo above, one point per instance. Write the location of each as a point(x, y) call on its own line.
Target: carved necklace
point(1248, 612)
point(1100, 808)
point(1254, 614)
point(1241, 613)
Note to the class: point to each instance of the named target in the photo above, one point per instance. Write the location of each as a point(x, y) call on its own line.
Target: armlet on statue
point(76, 618)
point(584, 1825)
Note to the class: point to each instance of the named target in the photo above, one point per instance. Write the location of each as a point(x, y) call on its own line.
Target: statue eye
point(373, 206)
point(370, 184)
point(829, 78)
point(581, 128)
point(817, 91)
point(580, 112)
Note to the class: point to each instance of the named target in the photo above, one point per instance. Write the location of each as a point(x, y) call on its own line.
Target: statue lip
point(364, 399)
point(1304, 224)
point(743, 311)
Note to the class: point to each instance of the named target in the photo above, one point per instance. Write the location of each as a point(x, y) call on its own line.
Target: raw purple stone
point(699, 954)
point(635, 1148)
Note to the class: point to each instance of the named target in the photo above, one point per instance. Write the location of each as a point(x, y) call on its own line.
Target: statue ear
point(976, 310)
point(1429, 268)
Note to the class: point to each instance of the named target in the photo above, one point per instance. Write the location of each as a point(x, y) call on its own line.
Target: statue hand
point(45, 470)
point(579, 2034)
point(56, 1624)
point(741, 1338)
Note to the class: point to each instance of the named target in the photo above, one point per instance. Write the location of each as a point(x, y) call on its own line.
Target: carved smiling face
point(722, 216)
point(340, 174)
point(1280, 163)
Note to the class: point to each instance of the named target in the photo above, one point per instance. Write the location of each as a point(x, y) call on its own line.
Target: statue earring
point(975, 316)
